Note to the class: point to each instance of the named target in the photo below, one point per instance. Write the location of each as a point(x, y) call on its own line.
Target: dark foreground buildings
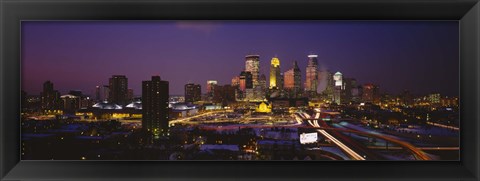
point(155, 106)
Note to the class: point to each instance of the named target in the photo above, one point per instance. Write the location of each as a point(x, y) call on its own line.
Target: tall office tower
point(275, 73)
point(210, 87)
point(118, 85)
point(351, 90)
point(98, 93)
point(370, 93)
point(252, 64)
point(155, 106)
point(193, 92)
point(339, 87)
point(246, 80)
point(338, 78)
point(261, 90)
point(106, 92)
point(236, 81)
point(50, 97)
point(349, 85)
point(263, 81)
point(293, 80)
point(311, 81)
point(329, 89)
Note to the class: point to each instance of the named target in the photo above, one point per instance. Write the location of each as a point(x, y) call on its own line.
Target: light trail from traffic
point(342, 146)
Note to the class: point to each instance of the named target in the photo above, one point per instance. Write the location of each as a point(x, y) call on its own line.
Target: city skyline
point(85, 76)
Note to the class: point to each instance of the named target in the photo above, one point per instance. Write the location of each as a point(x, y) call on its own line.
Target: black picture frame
point(12, 12)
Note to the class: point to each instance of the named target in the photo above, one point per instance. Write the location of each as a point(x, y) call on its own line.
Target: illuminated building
point(292, 80)
point(181, 110)
point(252, 65)
point(434, 98)
point(105, 110)
point(338, 78)
point(155, 98)
point(236, 81)
point(246, 80)
point(50, 98)
point(311, 81)
point(118, 85)
point(329, 84)
point(193, 92)
point(275, 73)
point(262, 88)
point(449, 101)
point(210, 87)
point(83, 100)
point(71, 103)
point(339, 88)
point(264, 107)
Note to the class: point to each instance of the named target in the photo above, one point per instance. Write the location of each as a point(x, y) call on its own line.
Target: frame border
point(467, 12)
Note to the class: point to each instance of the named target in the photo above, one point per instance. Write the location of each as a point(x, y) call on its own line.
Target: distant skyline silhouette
point(420, 56)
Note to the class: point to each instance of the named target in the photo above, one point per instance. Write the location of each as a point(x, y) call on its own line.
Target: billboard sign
point(306, 138)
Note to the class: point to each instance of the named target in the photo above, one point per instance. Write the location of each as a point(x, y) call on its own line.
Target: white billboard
point(306, 138)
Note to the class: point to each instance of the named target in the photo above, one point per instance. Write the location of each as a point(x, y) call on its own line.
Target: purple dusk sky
point(421, 56)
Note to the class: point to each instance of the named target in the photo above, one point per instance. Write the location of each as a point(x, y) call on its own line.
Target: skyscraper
point(193, 92)
point(118, 85)
point(311, 81)
point(252, 65)
point(261, 89)
point(350, 85)
point(236, 81)
point(275, 73)
point(50, 98)
point(339, 87)
point(106, 93)
point(98, 94)
point(246, 81)
point(327, 79)
point(155, 106)
point(293, 80)
point(210, 87)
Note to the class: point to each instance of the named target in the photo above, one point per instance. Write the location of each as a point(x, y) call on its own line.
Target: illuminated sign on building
point(306, 138)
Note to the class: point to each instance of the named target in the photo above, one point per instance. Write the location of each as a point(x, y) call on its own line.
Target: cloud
point(202, 26)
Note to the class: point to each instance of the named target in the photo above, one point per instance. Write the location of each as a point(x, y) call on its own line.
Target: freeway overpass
point(324, 129)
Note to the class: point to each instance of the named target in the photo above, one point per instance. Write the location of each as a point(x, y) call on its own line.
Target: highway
point(418, 153)
point(185, 120)
point(352, 154)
